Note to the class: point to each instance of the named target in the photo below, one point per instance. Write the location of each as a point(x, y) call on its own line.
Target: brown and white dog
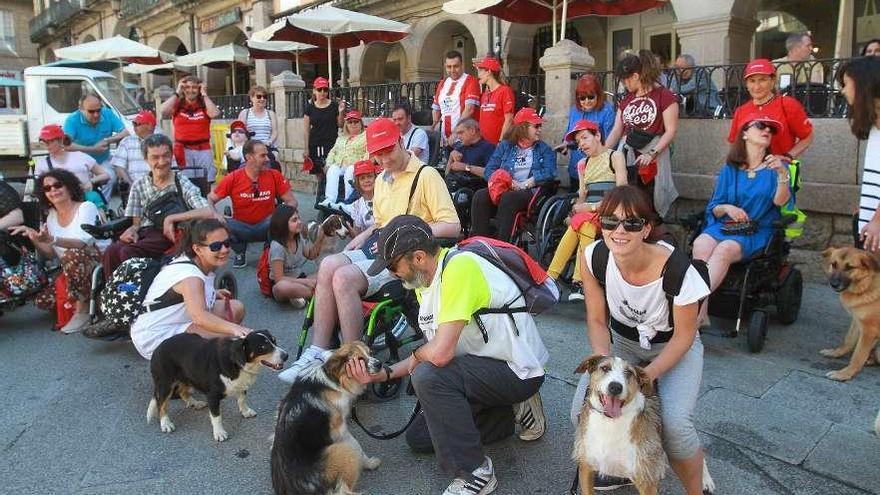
point(855, 275)
point(313, 452)
point(618, 431)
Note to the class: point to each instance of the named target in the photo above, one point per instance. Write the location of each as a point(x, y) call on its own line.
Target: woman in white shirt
point(62, 237)
point(860, 84)
point(629, 316)
point(83, 166)
point(182, 296)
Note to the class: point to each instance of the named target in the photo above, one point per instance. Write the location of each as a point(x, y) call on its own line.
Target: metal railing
point(716, 91)
point(131, 8)
point(529, 91)
point(53, 16)
point(375, 100)
point(232, 105)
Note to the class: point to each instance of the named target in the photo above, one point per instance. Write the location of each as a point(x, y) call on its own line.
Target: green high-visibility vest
point(796, 228)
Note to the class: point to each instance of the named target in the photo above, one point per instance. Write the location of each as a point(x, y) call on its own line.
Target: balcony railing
point(54, 16)
point(130, 8)
point(232, 105)
point(716, 91)
point(375, 100)
point(529, 91)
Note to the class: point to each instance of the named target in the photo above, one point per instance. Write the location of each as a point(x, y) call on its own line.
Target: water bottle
point(127, 287)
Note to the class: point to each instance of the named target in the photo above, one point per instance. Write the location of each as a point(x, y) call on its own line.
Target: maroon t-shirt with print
point(646, 112)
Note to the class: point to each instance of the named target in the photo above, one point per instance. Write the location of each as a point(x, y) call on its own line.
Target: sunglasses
point(94, 111)
point(586, 97)
point(218, 245)
point(392, 267)
point(260, 97)
point(322, 90)
point(53, 186)
point(762, 126)
point(536, 126)
point(256, 190)
point(631, 224)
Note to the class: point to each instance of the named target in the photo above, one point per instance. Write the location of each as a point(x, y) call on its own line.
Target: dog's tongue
point(612, 406)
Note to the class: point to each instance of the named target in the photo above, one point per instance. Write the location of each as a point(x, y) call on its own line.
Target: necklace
point(768, 100)
point(751, 173)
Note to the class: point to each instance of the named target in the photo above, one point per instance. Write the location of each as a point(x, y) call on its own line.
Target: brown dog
point(855, 274)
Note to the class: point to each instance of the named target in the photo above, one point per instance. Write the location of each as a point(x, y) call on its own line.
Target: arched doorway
point(171, 44)
point(445, 36)
point(383, 63)
point(220, 80)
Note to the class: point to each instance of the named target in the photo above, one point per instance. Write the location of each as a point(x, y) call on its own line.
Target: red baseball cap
point(321, 82)
point(759, 66)
point(581, 125)
point(353, 115)
point(51, 132)
point(527, 114)
point(363, 167)
point(488, 63)
point(144, 117)
point(756, 117)
point(237, 125)
point(382, 133)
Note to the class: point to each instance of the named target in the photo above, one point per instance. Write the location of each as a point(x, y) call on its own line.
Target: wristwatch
point(388, 371)
point(467, 168)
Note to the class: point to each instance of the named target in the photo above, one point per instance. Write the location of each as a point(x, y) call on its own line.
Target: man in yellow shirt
point(407, 186)
point(798, 65)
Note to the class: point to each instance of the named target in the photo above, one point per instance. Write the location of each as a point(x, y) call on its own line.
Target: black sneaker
point(577, 292)
point(240, 260)
point(104, 330)
point(604, 483)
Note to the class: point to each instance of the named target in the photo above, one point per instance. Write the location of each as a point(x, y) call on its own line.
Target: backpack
point(263, 270)
point(673, 274)
point(537, 288)
point(122, 299)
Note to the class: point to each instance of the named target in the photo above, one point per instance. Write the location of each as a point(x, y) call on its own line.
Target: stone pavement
point(73, 421)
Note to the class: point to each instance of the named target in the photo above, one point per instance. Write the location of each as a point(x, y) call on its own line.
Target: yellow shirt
point(808, 71)
point(431, 201)
point(347, 151)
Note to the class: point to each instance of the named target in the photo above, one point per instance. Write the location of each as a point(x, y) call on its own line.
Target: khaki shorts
point(360, 260)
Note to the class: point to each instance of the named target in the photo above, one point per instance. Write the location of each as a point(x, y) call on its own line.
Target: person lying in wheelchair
point(406, 186)
point(465, 169)
point(529, 161)
point(750, 189)
point(601, 165)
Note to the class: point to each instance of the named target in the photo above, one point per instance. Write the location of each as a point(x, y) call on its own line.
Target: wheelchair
point(752, 286)
point(388, 315)
point(525, 222)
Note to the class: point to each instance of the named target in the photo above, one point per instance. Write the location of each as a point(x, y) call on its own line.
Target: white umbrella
point(278, 50)
point(333, 27)
point(166, 68)
point(115, 48)
point(219, 57)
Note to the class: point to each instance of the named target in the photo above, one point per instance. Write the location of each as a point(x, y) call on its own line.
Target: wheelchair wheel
point(227, 281)
point(398, 328)
point(757, 331)
point(550, 226)
point(788, 297)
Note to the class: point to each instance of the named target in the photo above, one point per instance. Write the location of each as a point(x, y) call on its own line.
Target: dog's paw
point(166, 425)
point(832, 353)
point(247, 412)
point(839, 375)
point(220, 434)
point(371, 463)
point(708, 482)
point(197, 404)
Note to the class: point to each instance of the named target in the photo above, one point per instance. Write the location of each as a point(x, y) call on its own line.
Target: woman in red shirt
point(497, 101)
point(647, 119)
point(796, 133)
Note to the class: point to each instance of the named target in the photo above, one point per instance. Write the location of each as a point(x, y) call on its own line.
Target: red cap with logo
point(144, 117)
point(759, 66)
point(488, 63)
point(51, 131)
point(237, 125)
point(527, 114)
point(353, 115)
point(321, 82)
point(756, 117)
point(363, 167)
point(382, 133)
point(581, 125)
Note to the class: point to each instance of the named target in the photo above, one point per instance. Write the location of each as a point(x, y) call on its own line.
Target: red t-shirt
point(493, 106)
point(785, 110)
point(248, 207)
point(646, 112)
point(192, 126)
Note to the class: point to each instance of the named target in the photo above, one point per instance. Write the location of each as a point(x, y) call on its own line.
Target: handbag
point(64, 309)
point(25, 278)
point(169, 203)
point(638, 138)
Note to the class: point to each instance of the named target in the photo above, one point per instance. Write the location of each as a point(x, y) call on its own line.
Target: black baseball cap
point(403, 234)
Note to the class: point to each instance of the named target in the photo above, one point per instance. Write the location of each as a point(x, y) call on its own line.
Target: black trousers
point(482, 211)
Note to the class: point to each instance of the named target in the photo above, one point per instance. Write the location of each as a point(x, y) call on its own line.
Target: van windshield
point(112, 89)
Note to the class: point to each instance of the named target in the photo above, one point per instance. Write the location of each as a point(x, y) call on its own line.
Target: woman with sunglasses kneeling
point(628, 315)
point(750, 189)
point(182, 296)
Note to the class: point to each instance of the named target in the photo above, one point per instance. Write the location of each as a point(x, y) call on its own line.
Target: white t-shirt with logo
point(522, 164)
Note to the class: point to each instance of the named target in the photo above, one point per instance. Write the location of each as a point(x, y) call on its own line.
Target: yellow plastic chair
point(218, 146)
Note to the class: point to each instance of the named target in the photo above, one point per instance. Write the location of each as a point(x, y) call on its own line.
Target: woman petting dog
point(631, 306)
point(187, 281)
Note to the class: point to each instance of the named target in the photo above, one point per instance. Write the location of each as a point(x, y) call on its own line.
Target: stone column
point(719, 40)
point(260, 12)
point(559, 63)
point(280, 85)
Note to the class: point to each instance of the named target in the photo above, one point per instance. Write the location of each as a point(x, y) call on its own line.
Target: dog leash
point(387, 436)
point(227, 307)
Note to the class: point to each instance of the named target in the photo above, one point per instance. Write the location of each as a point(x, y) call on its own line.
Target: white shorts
point(360, 260)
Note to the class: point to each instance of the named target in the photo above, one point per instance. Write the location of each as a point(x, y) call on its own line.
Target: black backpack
point(673, 277)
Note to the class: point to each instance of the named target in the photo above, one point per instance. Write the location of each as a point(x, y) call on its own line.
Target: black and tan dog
point(215, 367)
point(855, 275)
point(313, 452)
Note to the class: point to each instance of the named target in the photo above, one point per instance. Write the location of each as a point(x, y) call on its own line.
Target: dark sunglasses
point(52, 186)
point(761, 126)
point(217, 246)
point(537, 126)
point(93, 111)
point(631, 224)
point(260, 97)
point(323, 90)
point(256, 191)
point(586, 97)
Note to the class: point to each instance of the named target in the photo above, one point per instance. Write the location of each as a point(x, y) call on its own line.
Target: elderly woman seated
point(750, 189)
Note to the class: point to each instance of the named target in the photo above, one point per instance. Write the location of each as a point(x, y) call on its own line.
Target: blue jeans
point(241, 233)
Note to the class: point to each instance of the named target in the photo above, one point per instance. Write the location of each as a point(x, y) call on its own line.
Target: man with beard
point(473, 390)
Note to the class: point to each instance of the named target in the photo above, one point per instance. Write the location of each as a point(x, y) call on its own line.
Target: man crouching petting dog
point(628, 282)
point(498, 380)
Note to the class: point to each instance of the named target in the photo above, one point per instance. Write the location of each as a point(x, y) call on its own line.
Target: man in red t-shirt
point(191, 110)
point(457, 98)
point(497, 103)
point(253, 190)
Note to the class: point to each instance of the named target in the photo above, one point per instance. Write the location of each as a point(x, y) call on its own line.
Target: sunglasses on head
point(218, 245)
point(762, 126)
point(631, 224)
point(53, 186)
point(586, 97)
point(260, 97)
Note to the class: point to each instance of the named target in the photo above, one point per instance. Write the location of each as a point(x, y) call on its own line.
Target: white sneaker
point(483, 481)
point(577, 293)
point(530, 415)
point(313, 356)
point(77, 323)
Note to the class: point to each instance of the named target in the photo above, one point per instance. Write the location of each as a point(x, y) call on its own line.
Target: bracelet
point(387, 372)
point(783, 180)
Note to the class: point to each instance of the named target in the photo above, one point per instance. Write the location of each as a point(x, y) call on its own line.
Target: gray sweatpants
point(678, 390)
point(453, 395)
